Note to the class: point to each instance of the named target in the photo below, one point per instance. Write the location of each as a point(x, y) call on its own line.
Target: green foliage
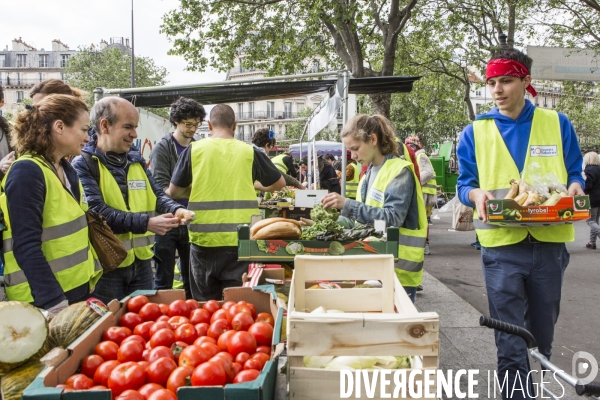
point(581, 105)
point(293, 131)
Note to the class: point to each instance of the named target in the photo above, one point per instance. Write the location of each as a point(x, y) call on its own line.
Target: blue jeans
point(123, 281)
point(524, 283)
point(411, 292)
point(176, 239)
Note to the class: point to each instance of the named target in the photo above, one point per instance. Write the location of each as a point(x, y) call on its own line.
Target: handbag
point(462, 217)
point(109, 249)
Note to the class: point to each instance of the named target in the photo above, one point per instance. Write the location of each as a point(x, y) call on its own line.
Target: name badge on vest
point(83, 199)
point(543, 151)
point(137, 185)
point(375, 195)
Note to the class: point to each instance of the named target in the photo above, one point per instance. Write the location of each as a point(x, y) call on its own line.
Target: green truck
point(446, 168)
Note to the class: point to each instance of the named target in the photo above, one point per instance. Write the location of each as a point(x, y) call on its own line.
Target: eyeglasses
point(192, 124)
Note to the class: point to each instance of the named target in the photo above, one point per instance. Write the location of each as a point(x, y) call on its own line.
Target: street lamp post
point(132, 51)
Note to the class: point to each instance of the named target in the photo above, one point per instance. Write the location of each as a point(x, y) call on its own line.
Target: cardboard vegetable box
point(507, 212)
point(68, 361)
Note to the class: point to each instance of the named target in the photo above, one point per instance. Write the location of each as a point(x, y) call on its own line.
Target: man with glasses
point(186, 115)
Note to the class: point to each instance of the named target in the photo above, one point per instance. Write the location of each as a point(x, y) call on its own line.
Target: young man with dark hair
point(219, 176)
point(523, 267)
point(186, 115)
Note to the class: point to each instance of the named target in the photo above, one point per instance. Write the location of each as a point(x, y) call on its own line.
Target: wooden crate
point(377, 321)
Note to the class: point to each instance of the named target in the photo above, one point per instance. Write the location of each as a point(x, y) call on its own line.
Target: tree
point(581, 105)
point(570, 23)
point(294, 130)
point(282, 36)
point(111, 68)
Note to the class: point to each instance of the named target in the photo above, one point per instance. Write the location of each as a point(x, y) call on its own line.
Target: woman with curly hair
point(47, 254)
point(388, 191)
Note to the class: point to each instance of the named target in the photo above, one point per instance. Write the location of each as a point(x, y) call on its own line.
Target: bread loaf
point(265, 222)
point(278, 230)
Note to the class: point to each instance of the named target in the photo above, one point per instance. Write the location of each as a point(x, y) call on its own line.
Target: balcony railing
point(6, 82)
point(266, 115)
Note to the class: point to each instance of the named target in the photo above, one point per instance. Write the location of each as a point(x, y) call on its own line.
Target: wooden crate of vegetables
point(280, 239)
point(524, 205)
point(355, 328)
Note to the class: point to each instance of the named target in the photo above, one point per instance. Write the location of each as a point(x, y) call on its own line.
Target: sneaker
point(427, 249)
point(420, 288)
point(590, 245)
point(429, 221)
point(475, 244)
point(478, 247)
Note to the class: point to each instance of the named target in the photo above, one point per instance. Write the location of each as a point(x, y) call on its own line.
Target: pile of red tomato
point(158, 348)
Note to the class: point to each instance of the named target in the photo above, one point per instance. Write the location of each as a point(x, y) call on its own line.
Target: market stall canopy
point(163, 96)
point(323, 147)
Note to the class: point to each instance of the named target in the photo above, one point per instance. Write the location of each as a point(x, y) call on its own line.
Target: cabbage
point(316, 361)
point(356, 362)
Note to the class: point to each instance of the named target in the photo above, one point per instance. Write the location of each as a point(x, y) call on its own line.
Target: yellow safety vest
point(141, 199)
point(278, 162)
point(496, 169)
point(177, 278)
point(352, 185)
point(65, 241)
point(411, 243)
point(430, 187)
point(222, 193)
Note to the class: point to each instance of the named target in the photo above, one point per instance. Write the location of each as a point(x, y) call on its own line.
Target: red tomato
point(225, 356)
point(98, 387)
point(262, 332)
point(227, 305)
point(193, 356)
point(130, 320)
point(242, 341)
point(186, 333)
point(136, 338)
point(236, 309)
point(252, 364)
point(129, 375)
point(262, 357)
point(178, 308)
point(204, 339)
point(116, 334)
point(177, 321)
point(211, 306)
point(158, 352)
point(252, 310)
point(264, 349)
point(192, 304)
point(130, 351)
point(160, 370)
point(163, 318)
point(246, 375)
point(242, 357)
point(143, 330)
point(107, 350)
point(209, 374)
point(199, 315)
point(150, 312)
point(217, 328)
point(103, 371)
point(158, 326)
point(66, 388)
point(201, 328)
point(242, 321)
point(148, 389)
point(164, 309)
point(163, 337)
point(179, 377)
point(130, 395)
point(211, 348)
point(265, 317)
point(79, 382)
point(144, 364)
point(226, 362)
point(224, 339)
point(219, 314)
point(237, 368)
point(177, 348)
point(90, 364)
point(163, 394)
point(136, 303)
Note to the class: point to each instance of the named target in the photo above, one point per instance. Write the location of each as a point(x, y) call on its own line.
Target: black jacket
point(120, 221)
point(329, 180)
point(592, 184)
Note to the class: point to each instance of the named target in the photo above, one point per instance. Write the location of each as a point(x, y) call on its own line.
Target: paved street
point(456, 264)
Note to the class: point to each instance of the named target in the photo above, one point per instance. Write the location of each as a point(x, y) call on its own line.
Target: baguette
point(278, 230)
point(264, 222)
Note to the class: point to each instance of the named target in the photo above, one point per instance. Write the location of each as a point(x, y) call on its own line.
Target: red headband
point(507, 67)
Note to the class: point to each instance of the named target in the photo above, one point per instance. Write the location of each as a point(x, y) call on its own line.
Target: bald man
point(118, 186)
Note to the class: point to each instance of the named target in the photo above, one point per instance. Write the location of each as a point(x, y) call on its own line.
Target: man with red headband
point(523, 267)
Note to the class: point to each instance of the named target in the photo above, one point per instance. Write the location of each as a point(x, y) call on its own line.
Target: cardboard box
point(285, 212)
point(263, 388)
point(261, 275)
point(309, 198)
point(376, 321)
point(507, 212)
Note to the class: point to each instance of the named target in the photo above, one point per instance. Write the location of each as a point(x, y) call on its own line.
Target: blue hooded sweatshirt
point(516, 137)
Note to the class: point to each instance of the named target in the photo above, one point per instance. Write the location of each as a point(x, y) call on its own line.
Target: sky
point(83, 22)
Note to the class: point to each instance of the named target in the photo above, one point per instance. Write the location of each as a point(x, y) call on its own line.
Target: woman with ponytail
point(47, 255)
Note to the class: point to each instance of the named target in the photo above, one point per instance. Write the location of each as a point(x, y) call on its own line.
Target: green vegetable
point(336, 248)
point(294, 248)
point(262, 245)
point(318, 213)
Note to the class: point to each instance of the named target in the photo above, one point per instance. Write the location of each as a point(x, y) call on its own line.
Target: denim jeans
point(213, 269)
point(411, 292)
point(123, 281)
point(593, 224)
point(524, 283)
point(176, 239)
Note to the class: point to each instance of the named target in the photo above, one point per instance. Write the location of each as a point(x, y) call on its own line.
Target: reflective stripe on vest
point(222, 194)
point(411, 243)
point(352, 185)
point(64, 239)
point(278, 162)
point(141, 199)
point(496, 168)
point(430, 187)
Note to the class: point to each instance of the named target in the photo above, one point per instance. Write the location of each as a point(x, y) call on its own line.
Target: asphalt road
point(458, 265)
